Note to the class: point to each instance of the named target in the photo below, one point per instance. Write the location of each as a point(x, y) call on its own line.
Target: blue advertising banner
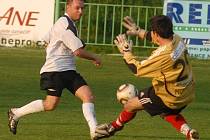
point(191, 20)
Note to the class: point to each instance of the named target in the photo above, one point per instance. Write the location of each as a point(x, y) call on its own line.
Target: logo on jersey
point(145, 101)
point(50, 89)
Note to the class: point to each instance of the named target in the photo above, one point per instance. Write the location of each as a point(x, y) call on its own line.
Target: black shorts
point(55, 82)
point(153, 104)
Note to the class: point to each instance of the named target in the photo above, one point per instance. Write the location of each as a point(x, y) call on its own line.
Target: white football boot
point(193, 135)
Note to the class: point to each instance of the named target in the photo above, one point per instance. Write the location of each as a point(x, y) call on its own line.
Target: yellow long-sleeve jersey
point(171, 72)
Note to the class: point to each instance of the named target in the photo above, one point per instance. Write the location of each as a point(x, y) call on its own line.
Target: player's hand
point(97, 62)
point(123, 44)
point(130, 25)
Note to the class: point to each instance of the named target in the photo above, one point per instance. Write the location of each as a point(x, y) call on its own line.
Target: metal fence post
point(122, 14)
point(57, 10)
point(100, 23)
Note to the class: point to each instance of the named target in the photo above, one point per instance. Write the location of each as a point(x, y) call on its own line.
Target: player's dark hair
point(162, 25)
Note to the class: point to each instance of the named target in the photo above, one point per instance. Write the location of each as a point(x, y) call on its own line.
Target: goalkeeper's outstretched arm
point(134, 30)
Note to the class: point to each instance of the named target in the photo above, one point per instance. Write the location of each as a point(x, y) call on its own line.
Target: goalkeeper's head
point(162, 25)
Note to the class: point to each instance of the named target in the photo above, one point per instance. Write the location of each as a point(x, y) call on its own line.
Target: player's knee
point(88, 98)
point(85, 94)
point(49, 106)
point(131, 106)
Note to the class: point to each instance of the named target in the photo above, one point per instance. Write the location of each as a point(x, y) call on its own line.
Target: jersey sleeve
point(150, 67)
point(46, 37)
point(71, 41)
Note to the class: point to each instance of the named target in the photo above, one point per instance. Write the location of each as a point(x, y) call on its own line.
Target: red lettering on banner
point(17, 14)
point(24, 19)
point(7, 15)
point(30, 18)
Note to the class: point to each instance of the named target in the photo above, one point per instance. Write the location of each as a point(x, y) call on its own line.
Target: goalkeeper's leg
point(129, 112)
point(181, 125)
point(124, 117)
point(107, 130)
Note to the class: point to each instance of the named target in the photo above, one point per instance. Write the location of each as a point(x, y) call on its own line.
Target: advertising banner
point(191, 20)
point(24, 22)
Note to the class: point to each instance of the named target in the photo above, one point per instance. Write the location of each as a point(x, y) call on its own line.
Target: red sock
point(124, 117)
point(176, 120)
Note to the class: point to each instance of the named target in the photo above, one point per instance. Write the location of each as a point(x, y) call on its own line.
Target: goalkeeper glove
point(123, 44)
point(129, 24)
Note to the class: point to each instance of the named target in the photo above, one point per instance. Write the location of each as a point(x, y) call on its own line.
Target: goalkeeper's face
point(155, 38)
point(75, 9)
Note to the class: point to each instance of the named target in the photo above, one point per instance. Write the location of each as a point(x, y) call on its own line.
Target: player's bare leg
point(84, 93)
point(14, 114)
point(129, 112)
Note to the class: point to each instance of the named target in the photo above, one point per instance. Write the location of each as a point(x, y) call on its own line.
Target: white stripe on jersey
point(178, 51)
point(145, 101)
point(118, 122)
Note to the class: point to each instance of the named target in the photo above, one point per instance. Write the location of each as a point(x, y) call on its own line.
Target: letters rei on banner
point(191, 20)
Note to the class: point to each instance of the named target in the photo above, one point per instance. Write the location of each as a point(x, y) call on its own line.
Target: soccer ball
point(126, 92)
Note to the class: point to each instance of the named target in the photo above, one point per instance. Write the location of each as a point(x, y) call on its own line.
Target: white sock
point(185, 129)
point(89, 114)
point(32, 107)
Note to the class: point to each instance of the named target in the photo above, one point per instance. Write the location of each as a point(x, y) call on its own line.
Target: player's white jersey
point(62, 42)
point(171, 73)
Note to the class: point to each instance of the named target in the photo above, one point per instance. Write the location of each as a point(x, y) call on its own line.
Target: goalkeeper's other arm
point(134, 30)
point(142, 34)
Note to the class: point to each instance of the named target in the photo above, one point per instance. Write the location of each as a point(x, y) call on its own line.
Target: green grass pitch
point(19, 84)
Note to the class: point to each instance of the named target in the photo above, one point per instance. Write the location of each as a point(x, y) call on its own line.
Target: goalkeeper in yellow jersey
point(172, 78)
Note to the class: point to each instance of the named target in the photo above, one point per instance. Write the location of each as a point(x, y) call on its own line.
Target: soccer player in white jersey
point(59, 70)
point(172, 78)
